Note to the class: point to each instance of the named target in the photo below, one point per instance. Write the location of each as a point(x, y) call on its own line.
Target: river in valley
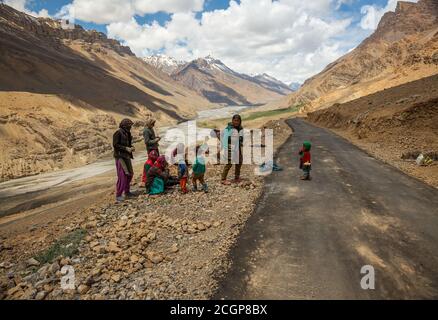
point(41, 182)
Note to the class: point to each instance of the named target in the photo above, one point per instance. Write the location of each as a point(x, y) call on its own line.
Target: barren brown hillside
point(394, 125)
point(404, 48)
point(63, 92)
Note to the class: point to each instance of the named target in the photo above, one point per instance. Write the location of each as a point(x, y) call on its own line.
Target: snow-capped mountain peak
point(164, 63)
point(267, 77)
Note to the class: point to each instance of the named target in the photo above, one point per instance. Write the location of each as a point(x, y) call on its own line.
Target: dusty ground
point(171, 246)
point(393, 125)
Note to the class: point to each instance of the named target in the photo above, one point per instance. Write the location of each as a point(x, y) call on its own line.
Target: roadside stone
point(156, 258)
point(113, 247)
point(48, 288)
point(91, 225)
point(94, 244)
point(29, 294)
point(32, 262)
point(98, 296)
point(40, 295)
point(64, 261)
point(116, 278)
point(83, 289)
point(54, 268)
point(151, 236)
point(96, 272)
point(43, 271)
point(13, 291)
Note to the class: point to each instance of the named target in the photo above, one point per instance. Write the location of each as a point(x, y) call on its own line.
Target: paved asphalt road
point(310, 239)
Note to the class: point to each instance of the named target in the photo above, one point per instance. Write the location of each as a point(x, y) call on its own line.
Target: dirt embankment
point(171, 246)
point(394, 125)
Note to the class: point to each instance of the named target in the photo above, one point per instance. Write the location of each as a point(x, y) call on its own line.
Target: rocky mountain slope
point(218, 83)
point(63, 92)
point(403, 48)
point(273, 84)
point(394, 125)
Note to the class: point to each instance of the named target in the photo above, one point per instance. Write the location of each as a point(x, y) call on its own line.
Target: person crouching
point(152, 157)
point(157, 176)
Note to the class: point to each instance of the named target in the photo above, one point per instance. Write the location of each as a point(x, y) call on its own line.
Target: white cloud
point(372, 14)
point(114, 11)
point(170, 6)
point(289, 39)
point(21, 5)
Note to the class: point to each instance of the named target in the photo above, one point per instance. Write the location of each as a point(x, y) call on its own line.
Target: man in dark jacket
point(150, 139)
point(123, 153)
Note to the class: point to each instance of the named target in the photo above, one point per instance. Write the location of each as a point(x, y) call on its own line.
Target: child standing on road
point(305, 160)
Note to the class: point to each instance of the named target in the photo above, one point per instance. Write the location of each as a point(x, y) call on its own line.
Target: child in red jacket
point(305, 160)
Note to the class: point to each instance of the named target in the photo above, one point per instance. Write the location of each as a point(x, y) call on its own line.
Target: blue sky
point(162, 17)
point(53, 6)
point(288, 39)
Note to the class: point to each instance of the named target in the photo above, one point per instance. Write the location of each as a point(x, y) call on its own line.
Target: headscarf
point(150, 122)
point(160, 163)
point(126, 124)
point(152, 157)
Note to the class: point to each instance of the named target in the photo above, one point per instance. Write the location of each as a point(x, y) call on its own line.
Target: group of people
point(156, 175)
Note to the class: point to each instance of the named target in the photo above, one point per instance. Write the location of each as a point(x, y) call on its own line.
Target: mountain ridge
point(403, 48)
point(212, 79)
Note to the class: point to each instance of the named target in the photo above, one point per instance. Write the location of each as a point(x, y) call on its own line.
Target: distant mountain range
point(218, 83)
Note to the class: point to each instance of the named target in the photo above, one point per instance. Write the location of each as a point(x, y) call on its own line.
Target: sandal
point(226, 182)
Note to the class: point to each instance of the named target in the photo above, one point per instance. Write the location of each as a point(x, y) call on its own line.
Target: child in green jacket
point(199, 168)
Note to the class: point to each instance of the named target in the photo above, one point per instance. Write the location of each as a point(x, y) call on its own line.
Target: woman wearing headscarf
point(150, 139)
point(231, 149)
point(152, 157)
point(123, 153)
point(157, 176)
